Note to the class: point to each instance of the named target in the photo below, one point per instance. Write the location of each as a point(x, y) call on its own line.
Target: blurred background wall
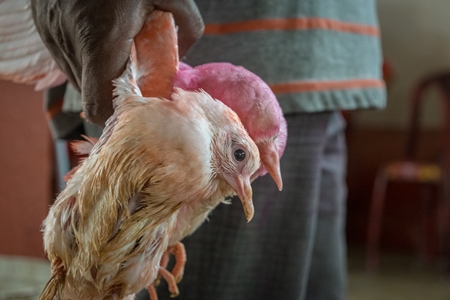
point(25, 170)
point(416, 42)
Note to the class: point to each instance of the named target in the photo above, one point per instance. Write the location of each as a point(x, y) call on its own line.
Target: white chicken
point(107, 231)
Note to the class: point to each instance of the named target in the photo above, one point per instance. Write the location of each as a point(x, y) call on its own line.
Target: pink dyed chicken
point(254, 102)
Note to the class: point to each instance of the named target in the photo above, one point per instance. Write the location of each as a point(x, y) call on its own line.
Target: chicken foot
point(179, 252)
point(172, 278)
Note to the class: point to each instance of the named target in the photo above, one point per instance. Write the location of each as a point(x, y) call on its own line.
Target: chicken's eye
point(239, 154)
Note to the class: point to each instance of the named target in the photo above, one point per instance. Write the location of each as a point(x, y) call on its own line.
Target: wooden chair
point(409, 169)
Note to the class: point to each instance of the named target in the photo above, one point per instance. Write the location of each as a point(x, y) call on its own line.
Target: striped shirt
point(315, 55)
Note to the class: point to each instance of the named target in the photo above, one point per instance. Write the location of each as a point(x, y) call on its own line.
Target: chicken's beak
point(241, 185)
point(271, 161)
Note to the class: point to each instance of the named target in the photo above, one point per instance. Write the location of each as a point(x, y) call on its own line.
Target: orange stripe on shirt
point(291, 24)
point(314, 86)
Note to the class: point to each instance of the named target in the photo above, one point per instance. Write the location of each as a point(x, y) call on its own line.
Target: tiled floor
point(399, 278)
point(22, 278)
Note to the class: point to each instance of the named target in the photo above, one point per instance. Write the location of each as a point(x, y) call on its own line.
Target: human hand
point(91, 40)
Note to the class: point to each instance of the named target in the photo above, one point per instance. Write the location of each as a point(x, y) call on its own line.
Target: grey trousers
point(294, 248)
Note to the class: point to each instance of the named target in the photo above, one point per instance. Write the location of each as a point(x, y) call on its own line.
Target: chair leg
point(428, 247)
point(446, 222)
point(447, 239)
point(446, 236)
point(375, 220)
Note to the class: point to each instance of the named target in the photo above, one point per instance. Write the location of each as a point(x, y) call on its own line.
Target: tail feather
point(54, 287)
point(84, 147)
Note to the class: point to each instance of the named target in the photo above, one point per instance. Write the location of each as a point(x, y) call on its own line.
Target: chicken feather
point(108, 229)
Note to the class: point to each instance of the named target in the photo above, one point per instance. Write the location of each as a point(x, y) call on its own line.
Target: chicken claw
point(152, 292)
point(170, 279)
point(164, 259)
point(162, 264)
point(179, 252)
